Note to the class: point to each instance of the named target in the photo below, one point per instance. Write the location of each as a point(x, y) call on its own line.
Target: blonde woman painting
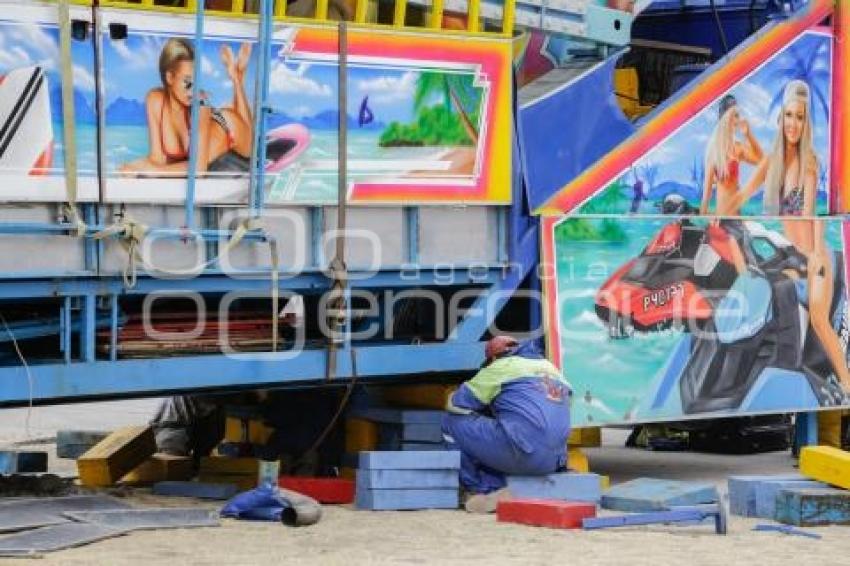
point(225, 134)
point(789, 174)
point(724, 155)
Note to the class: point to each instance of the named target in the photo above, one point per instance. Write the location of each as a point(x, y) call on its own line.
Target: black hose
point(719, 27)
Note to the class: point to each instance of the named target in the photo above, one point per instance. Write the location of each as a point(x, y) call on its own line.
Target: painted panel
point(682, 317)
point(428, 117)
point(32, 166)
point(720, 161)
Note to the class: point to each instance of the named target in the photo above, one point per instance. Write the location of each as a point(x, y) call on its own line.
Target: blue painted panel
point(407, 479)
point(742, 491)
point(809, 507)
point(568, 486)
point(774, 388)
point(564, 132)
point(767, 491)
point(406, 499)
point(647, 494)
point(426, 460)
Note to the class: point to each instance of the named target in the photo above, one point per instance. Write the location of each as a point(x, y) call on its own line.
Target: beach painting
point(718, 161)
point(428, 118)
point(683, 317)
point(32, 145)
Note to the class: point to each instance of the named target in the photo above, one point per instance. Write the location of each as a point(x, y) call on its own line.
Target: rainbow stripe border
point(735, 69)
point(494, 60)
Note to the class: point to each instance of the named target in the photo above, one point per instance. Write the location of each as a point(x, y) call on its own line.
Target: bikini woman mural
point(724, 155)
point(789, 175)
point(225, 134)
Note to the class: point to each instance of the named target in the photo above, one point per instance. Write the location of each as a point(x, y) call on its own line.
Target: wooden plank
point(648, 494)
point(545, 513)
point(323, 490)
point(237, 466)
point(22, 462)
point(199, 490)
point(406, 499)
point(577, 461)
point(241, 482)
point(742, 491)
point(423, 460)
point(398, 416)
point(360, 435)
point(116, 455)
point(159, 467)
point(407, 479)
point(590, 437)
point(811, 507)
point(767, 491)
point(568, 486)
point(827, 464)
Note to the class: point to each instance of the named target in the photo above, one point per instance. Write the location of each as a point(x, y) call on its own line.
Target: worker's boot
point(486, 502)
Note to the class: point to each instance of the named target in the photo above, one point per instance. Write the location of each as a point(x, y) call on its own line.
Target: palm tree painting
point(808, 63)
point(452, 121)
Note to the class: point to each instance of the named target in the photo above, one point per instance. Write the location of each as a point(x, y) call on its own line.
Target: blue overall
point(528, 399)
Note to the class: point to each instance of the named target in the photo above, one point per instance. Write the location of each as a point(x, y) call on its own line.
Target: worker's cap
point(498, 345)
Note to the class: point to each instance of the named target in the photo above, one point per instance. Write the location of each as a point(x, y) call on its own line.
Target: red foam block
point(323, 490)
point(545, 512)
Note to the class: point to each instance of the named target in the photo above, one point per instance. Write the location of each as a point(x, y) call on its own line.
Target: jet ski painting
point(688, 317)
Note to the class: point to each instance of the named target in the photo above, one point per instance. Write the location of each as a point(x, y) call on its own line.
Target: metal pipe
point(192, 173)
point(258, 152)
point(18, 228)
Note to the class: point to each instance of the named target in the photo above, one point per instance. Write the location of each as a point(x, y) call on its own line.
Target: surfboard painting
point(32, 167)
point(416, 126)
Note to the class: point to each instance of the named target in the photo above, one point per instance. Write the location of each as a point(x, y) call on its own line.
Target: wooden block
point(742, 491)
point(647, 494)
point(243, 482)
point(605, 483)
point(811, 507)
point(160, 467)
point(407, 479)
point(827, 464)
point(398, 416)
point(767, 491)
point(111, 458)
point(577, 461)
point(585, 437)
point(567, 486)
point(195, 489)
point(360, 435)
point(423, 460)
point(406, 499)
point(430, 396)
point(74, 443)
point(390, 434)
point(829, 428)
point(347, 473)
point(323, 490)
point(236, 466)
point(22, 462)
point(251, 431)
point(545, 513)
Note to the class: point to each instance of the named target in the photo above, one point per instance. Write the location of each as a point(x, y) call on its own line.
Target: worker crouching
point(512, 417)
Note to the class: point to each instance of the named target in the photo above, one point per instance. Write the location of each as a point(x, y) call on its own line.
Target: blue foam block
point(390, 434)
point(811, 507)
point(766, 492)
point(406, 499)
point(647, 494)
point(398, 416)
point(407, 479)
point(567, 486)
point(22, 462)
point(400, 460)
point(195, 489)
point(742, 491)
point(429, 446)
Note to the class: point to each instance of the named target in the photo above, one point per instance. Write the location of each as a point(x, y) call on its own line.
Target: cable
point(29, 375)
point(719, 27)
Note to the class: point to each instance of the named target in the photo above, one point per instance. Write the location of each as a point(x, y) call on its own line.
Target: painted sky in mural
point(678, 165)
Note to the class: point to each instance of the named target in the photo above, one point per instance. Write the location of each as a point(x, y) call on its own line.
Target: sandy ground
point(346, 536)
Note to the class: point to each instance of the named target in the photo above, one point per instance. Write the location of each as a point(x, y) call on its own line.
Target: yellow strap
point(68, 119)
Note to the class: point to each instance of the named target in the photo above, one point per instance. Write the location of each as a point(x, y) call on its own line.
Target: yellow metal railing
point(408, 15)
